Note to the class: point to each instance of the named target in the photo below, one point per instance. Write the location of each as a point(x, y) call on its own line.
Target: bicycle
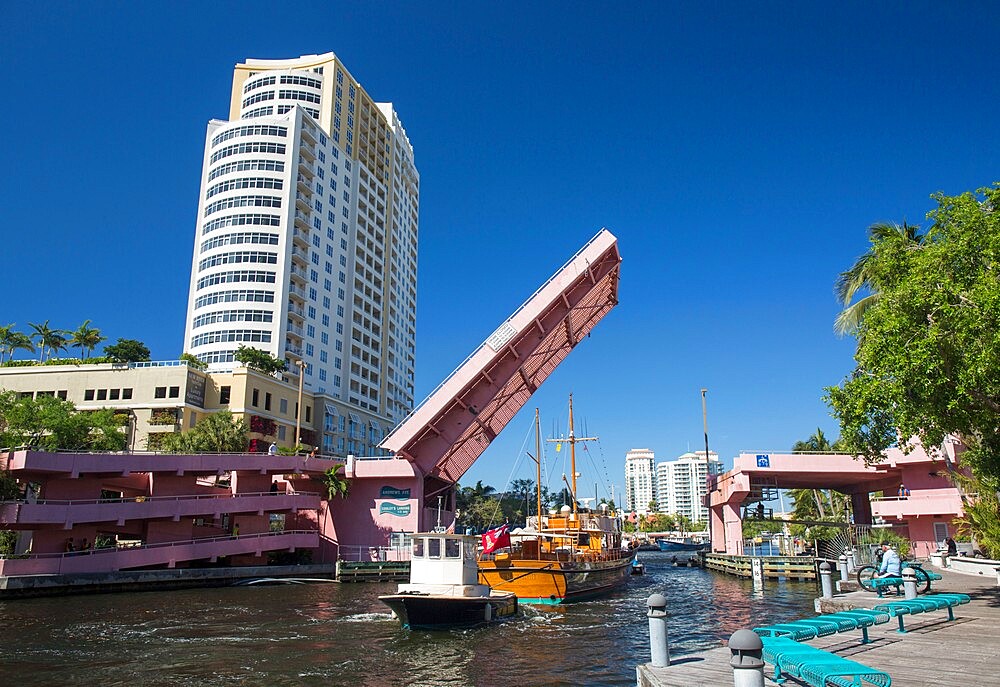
point(868, 572)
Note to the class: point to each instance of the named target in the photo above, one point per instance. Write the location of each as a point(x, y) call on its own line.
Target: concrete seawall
point(146, 580)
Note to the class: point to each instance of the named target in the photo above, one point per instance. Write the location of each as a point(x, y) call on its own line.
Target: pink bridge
point(441, 439)
point(924, 516)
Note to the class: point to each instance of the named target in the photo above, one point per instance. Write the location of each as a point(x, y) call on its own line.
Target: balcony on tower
point(300, 237)
point(300, 273)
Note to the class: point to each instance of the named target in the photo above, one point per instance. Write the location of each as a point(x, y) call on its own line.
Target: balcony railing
point(941, 502)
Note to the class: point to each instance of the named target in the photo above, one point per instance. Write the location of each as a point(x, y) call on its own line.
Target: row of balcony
point(124, 464)
point(159, 554)
point(25, 515)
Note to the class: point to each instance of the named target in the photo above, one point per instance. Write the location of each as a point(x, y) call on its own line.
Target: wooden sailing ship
point(569, 555)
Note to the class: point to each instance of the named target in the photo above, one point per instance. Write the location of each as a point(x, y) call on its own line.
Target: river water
point(340, 634)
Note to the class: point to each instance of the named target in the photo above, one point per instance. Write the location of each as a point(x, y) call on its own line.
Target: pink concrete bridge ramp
point(446, 433)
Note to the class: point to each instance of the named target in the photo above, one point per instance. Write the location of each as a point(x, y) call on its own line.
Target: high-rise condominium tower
point(683, 483)
point(306, 239)
point(640, 480)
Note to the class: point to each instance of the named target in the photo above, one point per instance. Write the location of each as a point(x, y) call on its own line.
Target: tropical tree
point(11, 340)
point(863, 276)
point(219, 432)
point(54, 424)
point(86, 338)
point(193, 361)
point(127, 351)
point(259, 360)
point(928, 353)
point(49, 340)
point(334, 484)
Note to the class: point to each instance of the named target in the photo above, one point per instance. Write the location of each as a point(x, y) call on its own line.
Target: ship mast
point(538, 469)
point(573, 440)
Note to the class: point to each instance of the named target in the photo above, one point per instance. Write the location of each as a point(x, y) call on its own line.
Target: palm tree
point(861, 275)
point(335, 484)
point(817, 443)
point(86, 338)
point(11, 341)
point(49, 339)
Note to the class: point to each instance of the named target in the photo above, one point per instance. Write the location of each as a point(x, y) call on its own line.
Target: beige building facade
point(162, 397)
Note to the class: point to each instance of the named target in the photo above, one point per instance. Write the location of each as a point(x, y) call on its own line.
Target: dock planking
point(933, 652)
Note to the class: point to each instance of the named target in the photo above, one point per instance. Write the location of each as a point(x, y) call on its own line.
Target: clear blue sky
point(738, 150)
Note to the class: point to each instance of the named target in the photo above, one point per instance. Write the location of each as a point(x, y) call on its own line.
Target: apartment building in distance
point(306, 239)
point(640, 480)
point(683, 483)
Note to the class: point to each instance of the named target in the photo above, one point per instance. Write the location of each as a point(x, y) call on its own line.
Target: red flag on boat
point(496, 539)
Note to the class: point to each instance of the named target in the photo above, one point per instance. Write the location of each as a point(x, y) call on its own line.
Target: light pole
point(704, 421)
point(298, 408)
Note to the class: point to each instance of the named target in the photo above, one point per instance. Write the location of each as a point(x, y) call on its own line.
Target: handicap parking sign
point(763, 461)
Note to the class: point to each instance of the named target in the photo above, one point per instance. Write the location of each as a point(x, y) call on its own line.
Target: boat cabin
point(444, 559)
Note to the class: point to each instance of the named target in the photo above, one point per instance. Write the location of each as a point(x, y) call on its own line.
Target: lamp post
point(298, 408)
point(704, 421)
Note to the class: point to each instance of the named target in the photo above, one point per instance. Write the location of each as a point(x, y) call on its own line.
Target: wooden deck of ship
point(933, 651)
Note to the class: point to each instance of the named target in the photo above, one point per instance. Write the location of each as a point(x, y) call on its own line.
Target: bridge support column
point(862, 507)
point(733, 528)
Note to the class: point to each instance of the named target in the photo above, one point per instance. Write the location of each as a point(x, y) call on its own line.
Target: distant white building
point(640, 480)
point(682, 483)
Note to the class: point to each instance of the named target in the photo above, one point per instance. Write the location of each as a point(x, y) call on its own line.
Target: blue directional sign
point(763, 460)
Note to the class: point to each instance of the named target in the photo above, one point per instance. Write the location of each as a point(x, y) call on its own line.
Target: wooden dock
point(377, 571)
point(774, 567)
point(933, 652)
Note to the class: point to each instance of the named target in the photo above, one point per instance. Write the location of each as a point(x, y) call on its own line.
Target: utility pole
point(298, 409)
point(704, 421)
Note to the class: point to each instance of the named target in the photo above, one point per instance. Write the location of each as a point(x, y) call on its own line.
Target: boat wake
point(365, 617)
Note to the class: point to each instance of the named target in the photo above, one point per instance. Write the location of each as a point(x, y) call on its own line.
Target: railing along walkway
point(159, 553)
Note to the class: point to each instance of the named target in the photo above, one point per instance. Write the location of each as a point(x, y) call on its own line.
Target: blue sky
point(738, 150)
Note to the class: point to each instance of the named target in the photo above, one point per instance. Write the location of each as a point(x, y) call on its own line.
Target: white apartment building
point(682, 484)
point(306, 239)
point(640, 480)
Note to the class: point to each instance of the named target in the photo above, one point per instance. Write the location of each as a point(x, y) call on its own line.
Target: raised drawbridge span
point(446, 433)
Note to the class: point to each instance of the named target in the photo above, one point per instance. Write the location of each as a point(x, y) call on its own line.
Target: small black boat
point(443, 591)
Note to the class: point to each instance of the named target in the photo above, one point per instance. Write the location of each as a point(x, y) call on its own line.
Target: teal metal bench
point(928, 602)
point(881, 584)
point(862, 619)
point(817, 667)
point(824, 625)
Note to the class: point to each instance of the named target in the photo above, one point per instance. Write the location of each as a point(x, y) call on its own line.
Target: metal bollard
point(826, 579)
point(851, 561)
point(747, 661)
point(845, 572)
point(658, 645)
point(909, 583)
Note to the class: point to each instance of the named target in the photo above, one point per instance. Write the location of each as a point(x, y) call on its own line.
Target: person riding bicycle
point(891, 564)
